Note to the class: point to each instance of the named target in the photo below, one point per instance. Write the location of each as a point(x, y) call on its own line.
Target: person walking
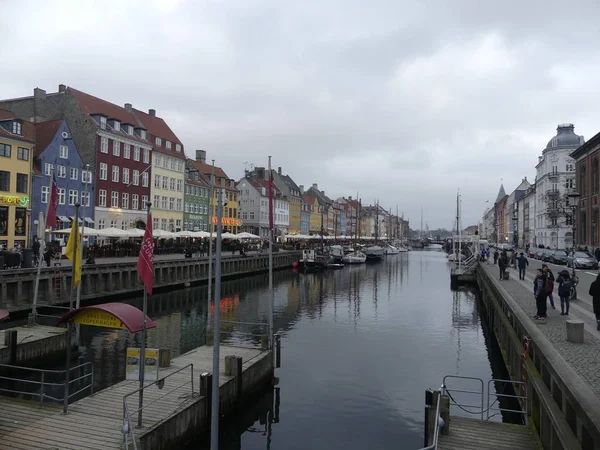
point(496, 255)
point(540, 293)
point(595, 294)
point(523, 262)
point(503, 264)
point(550, 283)
point(564, 291)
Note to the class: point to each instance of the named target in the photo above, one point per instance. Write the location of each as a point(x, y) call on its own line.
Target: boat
point(433, 247)
point(402, 249)
point(374, 253)
point(336, 253)
point(311, 263)
point(391, 250)
point(335, 266)
point(356, 257)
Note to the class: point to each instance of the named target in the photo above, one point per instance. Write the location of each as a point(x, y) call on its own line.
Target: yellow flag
point(74, 245)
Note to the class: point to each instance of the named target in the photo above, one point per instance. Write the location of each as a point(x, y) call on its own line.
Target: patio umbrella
point(85, 231)
point(244, 235)
point(227, 235)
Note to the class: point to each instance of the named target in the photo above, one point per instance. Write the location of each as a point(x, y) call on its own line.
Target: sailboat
point(356, 256)
point(375, 253)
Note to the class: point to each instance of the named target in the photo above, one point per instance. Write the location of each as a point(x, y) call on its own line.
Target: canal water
point(360, 346)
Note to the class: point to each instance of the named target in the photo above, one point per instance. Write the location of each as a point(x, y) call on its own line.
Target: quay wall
point(563, 410)
point(106, 280)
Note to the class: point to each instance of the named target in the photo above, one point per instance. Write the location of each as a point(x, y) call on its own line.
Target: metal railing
point(127, 429)
point(522, 399)
point(480, 393)
point(43, 383)
point(437, 423)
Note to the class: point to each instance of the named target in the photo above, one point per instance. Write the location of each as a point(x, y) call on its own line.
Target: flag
point(74, 246)
point(52, 204)
point(270, 200)
point(145, 265)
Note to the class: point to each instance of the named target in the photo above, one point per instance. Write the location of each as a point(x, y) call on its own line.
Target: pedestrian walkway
point(583, 358)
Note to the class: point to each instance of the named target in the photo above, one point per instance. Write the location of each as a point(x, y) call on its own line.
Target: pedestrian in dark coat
point(595, 293)
point(564, 291)
point(523, 262)
point(540, 293)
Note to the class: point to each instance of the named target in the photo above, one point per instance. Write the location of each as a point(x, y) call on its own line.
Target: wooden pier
point(473, 434)
point(171, 414)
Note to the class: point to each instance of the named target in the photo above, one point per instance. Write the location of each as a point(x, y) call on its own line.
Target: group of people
point(543, 288)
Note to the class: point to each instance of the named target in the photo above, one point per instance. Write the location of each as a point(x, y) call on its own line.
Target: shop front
point(14, 221)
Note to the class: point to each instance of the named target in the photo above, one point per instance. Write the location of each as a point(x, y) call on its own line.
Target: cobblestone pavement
point(584, 358)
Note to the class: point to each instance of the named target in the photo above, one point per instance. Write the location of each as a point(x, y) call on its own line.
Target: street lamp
point(573, 200)
point(515, 219)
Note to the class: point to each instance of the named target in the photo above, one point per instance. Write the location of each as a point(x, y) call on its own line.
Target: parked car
point(581, 260)
point(556, 256)
point(531, 253)
point(539, 253)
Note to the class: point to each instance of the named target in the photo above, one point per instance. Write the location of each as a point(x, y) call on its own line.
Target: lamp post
point(515, 219)
point(573, 200)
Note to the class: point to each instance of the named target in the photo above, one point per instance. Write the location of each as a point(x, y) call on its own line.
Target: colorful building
point(195, 202)
point(56, 153)
point(316, 218)
point(291, 191)
point(17, 139)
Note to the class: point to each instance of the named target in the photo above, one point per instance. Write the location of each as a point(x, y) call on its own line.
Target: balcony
point(553, 175)
point(553, 193)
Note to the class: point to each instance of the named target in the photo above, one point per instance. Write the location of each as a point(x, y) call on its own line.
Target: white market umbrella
point(244, 235)
point(200, 234)
point(134, 232)
point(85, 231)
point(112, 232)
point(162, 234)
point(185, 234)
point(228, 235)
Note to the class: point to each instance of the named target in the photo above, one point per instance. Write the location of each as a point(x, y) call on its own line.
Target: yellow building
point(312, 204)
point(17, 140)
point(230, 221)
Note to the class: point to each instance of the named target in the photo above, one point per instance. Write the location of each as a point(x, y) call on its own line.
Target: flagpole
point(143, 344)
point(210, 252)
point(214, 418)
point(271, 230)
point(78, 298)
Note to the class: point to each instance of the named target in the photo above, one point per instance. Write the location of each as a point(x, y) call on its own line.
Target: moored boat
point(354, 258)
point(391, 250)
point(374, 253)
point(311, 263)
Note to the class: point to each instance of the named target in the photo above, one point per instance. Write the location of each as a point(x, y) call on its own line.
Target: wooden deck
point(472, 434)
point(96, 422)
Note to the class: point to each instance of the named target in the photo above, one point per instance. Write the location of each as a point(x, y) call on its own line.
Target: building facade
point(555, 178)
point(56, 153)
point(17, 139)
point(196, 203)
point(315, 225)
point(291, 191)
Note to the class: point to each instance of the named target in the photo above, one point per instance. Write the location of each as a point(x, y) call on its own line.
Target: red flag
point(52, 204)
point(270, 200)
point(145, 264)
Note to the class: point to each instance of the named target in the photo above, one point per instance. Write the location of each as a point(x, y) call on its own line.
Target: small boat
point(335, 266)
point(402, 249)
point(391, 250)
point(433, 247)
point(354, 258)
point(336, 253)
point(311, 263)
point(374, 253)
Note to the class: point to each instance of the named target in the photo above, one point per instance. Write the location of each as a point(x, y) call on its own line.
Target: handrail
point(520, 398)
point(127, 429)
point(481, 393)
point(436, 423)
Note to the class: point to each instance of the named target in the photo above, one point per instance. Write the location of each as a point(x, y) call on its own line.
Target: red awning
point(3, 314)
point(131, 317)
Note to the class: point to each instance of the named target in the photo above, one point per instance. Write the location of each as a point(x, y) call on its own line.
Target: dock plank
point(95, 423)
point(473, 434)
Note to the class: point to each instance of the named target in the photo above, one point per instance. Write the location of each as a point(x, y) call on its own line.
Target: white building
point(555, 177)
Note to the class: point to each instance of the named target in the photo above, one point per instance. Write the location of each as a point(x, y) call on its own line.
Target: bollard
point(206, 390)
point(431, 421)
point(575, 331)
point(277, 350)
point(445, 413)
point(30, 320)
point(236, 371)
point(228, 369)
point(428, 403)
point(10, 340)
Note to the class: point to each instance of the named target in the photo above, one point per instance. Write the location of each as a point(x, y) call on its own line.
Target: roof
point(591, 144)
point(501, 193)
point(308, 198)
point(565, 137)
point(200, 182)
point(320, 195)
point(157, 127)
point(259, 183)
point(27, 128)
point(130, 317)
point(4, 114)
point(45, 132)
point(207, 170)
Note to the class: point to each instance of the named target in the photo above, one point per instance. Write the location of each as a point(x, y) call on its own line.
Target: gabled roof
point(157, 127)
point(308, 198)
point(207, 170)
point(501, 194)
point(4, 114)
point(45, 132)
point(260, 183)
point(94, 105)
point(321, 197)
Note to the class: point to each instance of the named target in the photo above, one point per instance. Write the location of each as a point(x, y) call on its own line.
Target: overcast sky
point(405, 101)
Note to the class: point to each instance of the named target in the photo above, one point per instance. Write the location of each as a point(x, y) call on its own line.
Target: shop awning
point(72, 218)
point(89, 220)
point(63, 219)
point(110, 315)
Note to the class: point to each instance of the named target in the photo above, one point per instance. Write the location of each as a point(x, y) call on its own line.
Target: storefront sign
point(98, 318)
point(14, 200)
point(132, 365)
point(228, 221)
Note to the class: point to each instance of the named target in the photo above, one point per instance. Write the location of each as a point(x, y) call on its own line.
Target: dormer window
point(168, 144)
point(116, 125)
point(103, 122)
point(178, 148)
point(142, 133)
point(129, 129)
point(158, 141)
point(16, 128)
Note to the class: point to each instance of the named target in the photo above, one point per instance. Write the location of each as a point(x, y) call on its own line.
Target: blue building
point(342, 222)
point(55, 151)
point(304, 220)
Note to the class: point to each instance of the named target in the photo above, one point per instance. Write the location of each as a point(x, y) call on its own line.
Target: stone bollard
point(206, 390)
point(575, 331)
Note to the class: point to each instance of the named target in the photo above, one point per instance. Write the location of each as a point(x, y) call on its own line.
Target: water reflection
point(360, 346)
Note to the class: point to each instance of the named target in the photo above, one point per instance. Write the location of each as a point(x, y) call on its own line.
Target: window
point(157, 181)
point(85, 199)
point(48, 168)
point(187, 208)
point(134, 201)
point(173, 164)
point(143, 134)
point(178, 224)
point(570, 183)
point(158, 141)
point(136, 153)
point(157, 201)
point(101, 224)
point(102, 197)
point(116, 148)
point(23, 154)
point(22, 185)
point(115, 173)
point(145, 179)
point(157, 160)
point(72, 196)
point(165, 182)
point(163, 224)
point(16, 127)
point(172, 184)
point(179, 201)
point(116, 125)
point(45, 193)
point(136, 177)
point(125, 175)
point(103, 123)
point(125, 200)
point(179, 185)
point(113, 223)
point(171, 203)
point(144, 201)
point(5, 150)
point(178, 147)
point(146, 156)
point(164, 203)
point(103, 171)
point(64, 152)
point(74, 173)
point(86, 176)
point(126, 151)
point(114, 199)
point(570, 167)
point(165, 163)
point(252, 216)
point(130, 131)
point(61, 171)
point(61, 196)
point(168, 144)
point(104, 145)
point(124, 225)
point(155, 224)
point(4, 180)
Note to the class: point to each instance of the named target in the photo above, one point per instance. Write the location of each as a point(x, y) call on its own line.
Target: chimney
point(201, 156)
point(39, 94)
point(128, 107)
point(39, 101)
point(152, 112)
point(62, 88)
point(279, 170)
point(315, 186)
point(259, 172)
point(301, 187)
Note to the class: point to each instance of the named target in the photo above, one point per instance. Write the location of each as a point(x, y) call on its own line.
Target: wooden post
point(228, 360)
point(236, 370)
point(445, 413)
point(428, 403)
point(10, 340)
point(206, 389)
